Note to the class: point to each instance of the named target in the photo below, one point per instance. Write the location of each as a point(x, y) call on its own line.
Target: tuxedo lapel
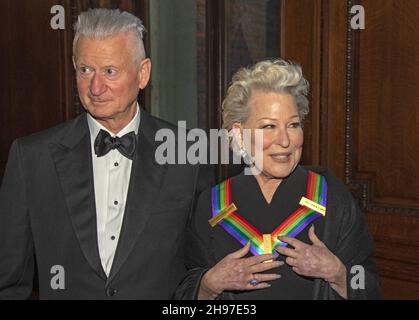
point(145, 182)
point(73, 162)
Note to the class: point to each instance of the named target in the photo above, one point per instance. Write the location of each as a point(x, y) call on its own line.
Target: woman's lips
point(281, 157)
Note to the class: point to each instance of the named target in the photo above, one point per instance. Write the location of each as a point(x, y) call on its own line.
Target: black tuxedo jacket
point(47, 209)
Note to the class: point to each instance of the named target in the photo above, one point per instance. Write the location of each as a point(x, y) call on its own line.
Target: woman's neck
point(268, 185)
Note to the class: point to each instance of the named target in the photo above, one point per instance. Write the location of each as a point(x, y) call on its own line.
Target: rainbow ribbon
point(313, 208)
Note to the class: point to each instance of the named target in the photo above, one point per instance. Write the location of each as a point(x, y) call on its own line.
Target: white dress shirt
point(111, 174)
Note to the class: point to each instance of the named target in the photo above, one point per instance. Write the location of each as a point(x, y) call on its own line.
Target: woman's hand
point(234, 272)
point(315, 261)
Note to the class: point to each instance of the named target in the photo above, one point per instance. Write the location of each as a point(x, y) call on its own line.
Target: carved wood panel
point(382, 126)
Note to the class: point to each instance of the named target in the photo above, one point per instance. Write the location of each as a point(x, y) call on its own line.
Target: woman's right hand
point(234, 272)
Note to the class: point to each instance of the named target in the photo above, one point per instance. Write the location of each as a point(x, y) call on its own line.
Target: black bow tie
point(125, 144)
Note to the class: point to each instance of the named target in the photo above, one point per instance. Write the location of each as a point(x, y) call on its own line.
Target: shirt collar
point(95, 126)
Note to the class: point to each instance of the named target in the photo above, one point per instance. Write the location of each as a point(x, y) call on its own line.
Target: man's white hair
point(103, 23)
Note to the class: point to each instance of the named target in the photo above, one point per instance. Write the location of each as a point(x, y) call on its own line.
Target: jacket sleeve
point(16, 244)
point(353, 245)
point(362, 276)
point(199, 252)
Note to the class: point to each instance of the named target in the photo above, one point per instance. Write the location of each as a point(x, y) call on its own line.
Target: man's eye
point(85, 70)
point(110, 72)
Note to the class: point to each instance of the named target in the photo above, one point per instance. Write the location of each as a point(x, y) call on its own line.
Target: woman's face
point(276, 114)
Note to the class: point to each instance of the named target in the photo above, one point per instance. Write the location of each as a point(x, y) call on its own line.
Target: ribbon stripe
point(243, 231)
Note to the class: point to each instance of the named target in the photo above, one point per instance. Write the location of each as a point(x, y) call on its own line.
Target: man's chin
point(99, 111)
point(99, 104)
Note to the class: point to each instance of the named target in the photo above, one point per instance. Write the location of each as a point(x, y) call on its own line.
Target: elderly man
point(87, 197)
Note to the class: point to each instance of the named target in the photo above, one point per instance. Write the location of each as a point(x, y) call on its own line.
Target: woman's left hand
point(315, 261)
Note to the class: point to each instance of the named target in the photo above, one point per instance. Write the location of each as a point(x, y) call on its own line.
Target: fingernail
point(277, 276)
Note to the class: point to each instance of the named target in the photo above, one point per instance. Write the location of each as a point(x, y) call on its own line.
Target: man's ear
point(144, 73)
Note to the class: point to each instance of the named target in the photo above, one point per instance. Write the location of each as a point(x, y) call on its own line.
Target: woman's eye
point(295, 125)
point(268, 126)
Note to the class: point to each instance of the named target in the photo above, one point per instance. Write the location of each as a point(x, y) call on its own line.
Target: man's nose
point(97, 85)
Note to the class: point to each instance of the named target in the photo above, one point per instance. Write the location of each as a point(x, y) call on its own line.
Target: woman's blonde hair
point(266, 76)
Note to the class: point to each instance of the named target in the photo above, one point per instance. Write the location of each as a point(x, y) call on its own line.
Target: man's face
point(108, 80)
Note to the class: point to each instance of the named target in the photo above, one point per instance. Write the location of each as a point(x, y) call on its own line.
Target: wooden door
point(364, 121)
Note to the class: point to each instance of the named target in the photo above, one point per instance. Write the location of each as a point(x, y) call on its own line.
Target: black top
point(343, 230)
point(266, 217)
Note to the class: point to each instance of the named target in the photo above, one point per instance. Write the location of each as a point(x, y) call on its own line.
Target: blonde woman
point(294, 232)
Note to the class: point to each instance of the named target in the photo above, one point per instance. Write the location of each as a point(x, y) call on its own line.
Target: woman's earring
point(247, 159)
